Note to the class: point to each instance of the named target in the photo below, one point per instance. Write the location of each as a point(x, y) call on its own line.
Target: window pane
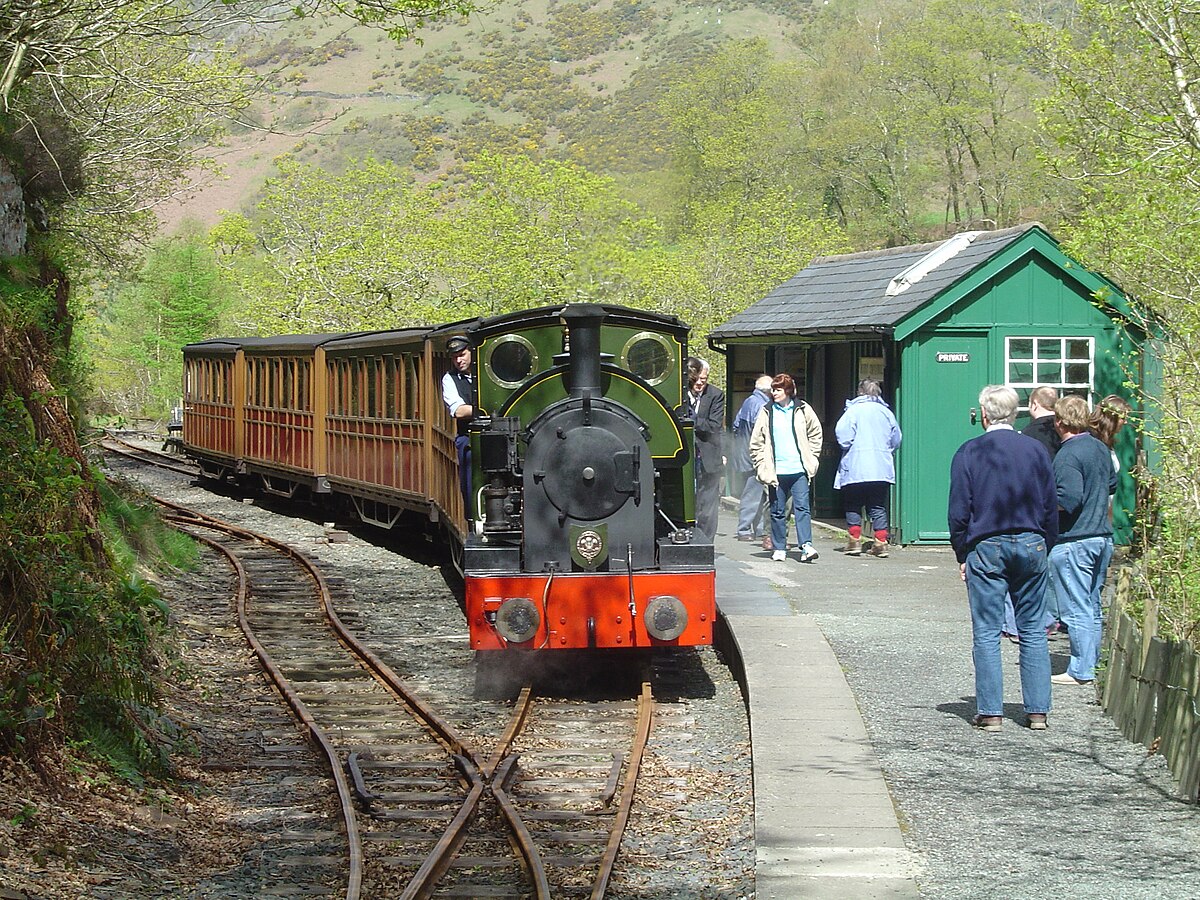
point(1079, 348)
point(1049, 348)
point(1020, 373)
point(511, 362)
point(1049, 372)
point(650, 358)
point(1077, 373)
point(389, 387)
point(412, 389)
point(289, 372)
point(1020, 348)
point(304, 401)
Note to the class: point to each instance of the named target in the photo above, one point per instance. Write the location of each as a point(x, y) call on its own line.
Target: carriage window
point(649, 356)
point(287, 398)
point(389, 387)
point(1065, 363)
point(371, 409)
point(304, 386)
point(511, 360)
point(259, 379)
point(412, 383)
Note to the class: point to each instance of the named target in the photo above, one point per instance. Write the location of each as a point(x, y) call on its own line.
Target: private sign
point(954, 357)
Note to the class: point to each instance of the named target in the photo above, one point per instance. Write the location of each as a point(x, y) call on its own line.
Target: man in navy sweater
point(1084, 473)
point(1003, 519)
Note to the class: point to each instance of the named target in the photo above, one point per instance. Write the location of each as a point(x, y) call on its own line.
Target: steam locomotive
point(577, 532)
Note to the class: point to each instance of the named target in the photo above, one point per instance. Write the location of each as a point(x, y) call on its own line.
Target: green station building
point(933, 324)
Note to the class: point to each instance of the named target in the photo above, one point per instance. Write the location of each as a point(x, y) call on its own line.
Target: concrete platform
point(825, 823)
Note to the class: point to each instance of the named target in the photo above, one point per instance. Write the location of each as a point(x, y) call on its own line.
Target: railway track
point(174, 463)
point(423, 813)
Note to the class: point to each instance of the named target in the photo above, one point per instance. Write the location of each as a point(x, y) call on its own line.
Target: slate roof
point(849, 293)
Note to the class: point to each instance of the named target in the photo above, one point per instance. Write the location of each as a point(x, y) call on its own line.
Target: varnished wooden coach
point(358, 414)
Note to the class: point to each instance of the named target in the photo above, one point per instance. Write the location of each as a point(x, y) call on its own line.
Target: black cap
point(457, 343)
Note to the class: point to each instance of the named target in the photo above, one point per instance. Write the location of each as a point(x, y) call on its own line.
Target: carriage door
point(944, 374)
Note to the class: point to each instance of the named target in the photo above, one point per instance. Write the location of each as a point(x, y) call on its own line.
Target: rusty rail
point(645, 718)
point(316, 734)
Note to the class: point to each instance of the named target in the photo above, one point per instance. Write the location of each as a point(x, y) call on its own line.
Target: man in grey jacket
point(753, 504)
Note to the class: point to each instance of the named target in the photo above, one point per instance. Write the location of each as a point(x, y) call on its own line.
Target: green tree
point(961, 81)
point(329, 252)
point(523, 233)
point(734, 120)
point(1126, 118)
point(139, 327)
point(730, 259)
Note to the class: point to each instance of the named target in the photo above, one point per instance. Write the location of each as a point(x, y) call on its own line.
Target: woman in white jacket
point(785, 447)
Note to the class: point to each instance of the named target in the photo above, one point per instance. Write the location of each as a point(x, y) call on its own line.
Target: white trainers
point(779, 555)
point(808, 553)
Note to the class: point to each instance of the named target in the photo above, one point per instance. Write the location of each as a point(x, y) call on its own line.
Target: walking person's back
point(868, 434)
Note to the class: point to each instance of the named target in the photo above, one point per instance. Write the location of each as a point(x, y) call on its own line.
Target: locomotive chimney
point(583, 338)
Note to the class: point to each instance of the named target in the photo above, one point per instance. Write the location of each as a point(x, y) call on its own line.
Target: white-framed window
point(1065, 363)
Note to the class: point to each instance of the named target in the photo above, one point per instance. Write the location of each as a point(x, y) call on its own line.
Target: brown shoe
point(854, 547)
point(880, 549)
point(988, 723)
point(1037, 721)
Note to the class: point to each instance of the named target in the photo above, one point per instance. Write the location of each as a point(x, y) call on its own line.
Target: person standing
point(1085, 477)
point(753, 502)
point(868, 434)
point(707, 406)
point(458, 393)
point(1003, 518)
point(1041, 414)
point(1106, 422)
point(1041, 429)
point(785, 447)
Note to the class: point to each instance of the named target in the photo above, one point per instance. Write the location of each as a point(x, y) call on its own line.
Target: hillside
point(578, 80)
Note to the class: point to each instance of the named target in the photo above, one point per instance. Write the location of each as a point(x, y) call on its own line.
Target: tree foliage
point(106, 104)
point(897, 120)
point(1127, 118)
point(373, 249)
point(137, 327)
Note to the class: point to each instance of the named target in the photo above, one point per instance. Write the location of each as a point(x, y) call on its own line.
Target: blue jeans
point(1013, 564)
point(871, 494)
point(1079, 568)
point(796, 487)
point(751, 507)
point(1010, 618)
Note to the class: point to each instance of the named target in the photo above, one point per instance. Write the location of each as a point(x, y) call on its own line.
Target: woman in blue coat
point(868, 435)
